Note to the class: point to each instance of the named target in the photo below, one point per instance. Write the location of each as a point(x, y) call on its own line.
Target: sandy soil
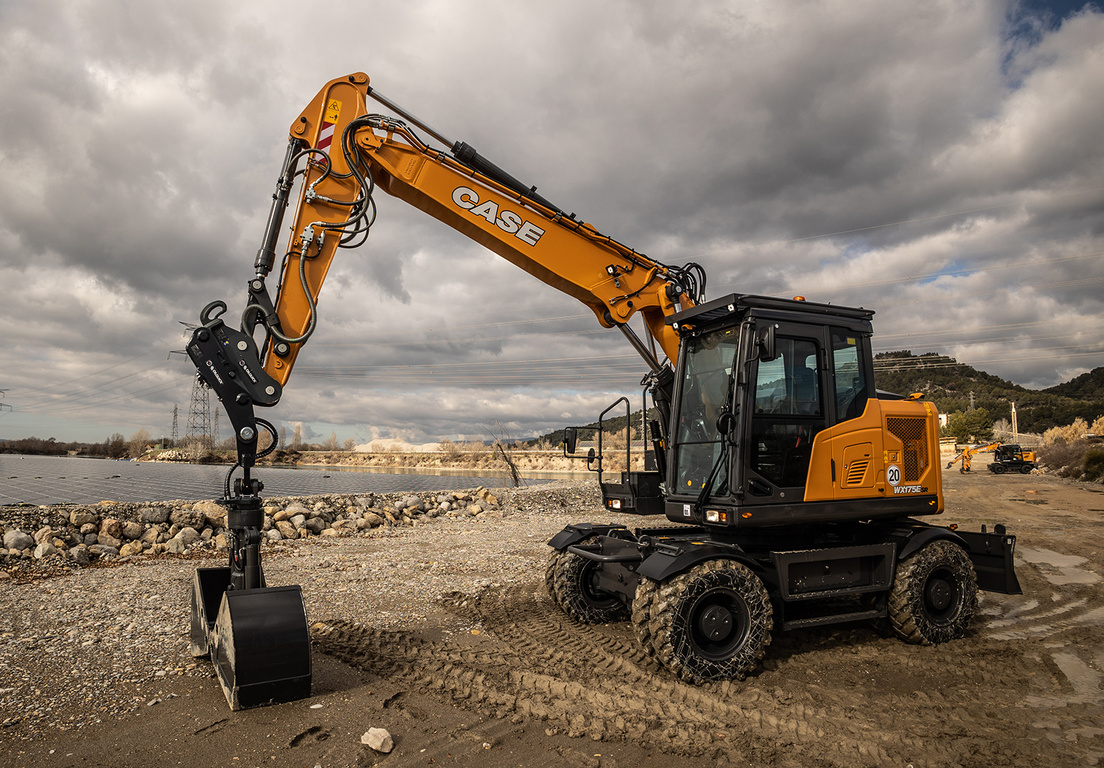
point(497, 677)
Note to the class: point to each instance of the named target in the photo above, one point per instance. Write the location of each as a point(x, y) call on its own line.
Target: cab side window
point(788, 414)
point(788, 385)
point(851, 387)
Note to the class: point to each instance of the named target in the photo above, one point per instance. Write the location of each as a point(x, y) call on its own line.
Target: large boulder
point(153, 515)
point(315, 525)
point(45, 549)
point(187, 535)
point(188, 518)
point(79, 517)
point(214, 514)
point(131, 548)
point(108, 540)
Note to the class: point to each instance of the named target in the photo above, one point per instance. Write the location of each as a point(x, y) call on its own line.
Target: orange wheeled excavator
point(791, 486)
point(1006, 458)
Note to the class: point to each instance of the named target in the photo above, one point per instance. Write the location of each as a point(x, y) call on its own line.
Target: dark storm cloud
point(940, 162)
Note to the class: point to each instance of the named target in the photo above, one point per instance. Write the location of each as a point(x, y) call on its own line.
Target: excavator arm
point(348, 154)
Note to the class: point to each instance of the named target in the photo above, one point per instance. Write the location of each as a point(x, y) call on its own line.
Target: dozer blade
point(260, 646)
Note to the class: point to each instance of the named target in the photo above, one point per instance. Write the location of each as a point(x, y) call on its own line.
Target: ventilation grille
point(856, 472)
point(912, 432)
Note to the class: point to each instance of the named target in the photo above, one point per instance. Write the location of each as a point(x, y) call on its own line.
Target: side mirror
point(766, 343)
point(726, 423)
point(571, 440)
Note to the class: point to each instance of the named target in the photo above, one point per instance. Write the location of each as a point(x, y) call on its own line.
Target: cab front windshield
point(706, 387)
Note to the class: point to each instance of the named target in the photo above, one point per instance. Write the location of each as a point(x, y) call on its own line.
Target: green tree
point(970, 427)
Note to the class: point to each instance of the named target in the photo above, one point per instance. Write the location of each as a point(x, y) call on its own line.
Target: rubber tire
point(717, 589)
point(550, 575)
point(934, 596)
point(646, 593)
point(569, 580)
point(1026, 469)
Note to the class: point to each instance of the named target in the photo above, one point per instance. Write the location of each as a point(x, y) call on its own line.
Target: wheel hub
point(939, 594)
point(715, 622)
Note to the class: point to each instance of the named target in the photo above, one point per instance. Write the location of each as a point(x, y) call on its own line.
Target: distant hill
point(1087, 386)
point(949, 384)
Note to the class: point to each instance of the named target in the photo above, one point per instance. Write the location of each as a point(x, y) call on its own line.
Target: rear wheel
point(573, 583)
point(712, 622)
point(646, 592)
point(1026, 469)
point(934, 594)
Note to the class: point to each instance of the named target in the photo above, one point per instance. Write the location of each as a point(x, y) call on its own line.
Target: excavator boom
point(348, 154)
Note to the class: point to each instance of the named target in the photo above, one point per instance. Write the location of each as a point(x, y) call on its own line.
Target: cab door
point(788, 402)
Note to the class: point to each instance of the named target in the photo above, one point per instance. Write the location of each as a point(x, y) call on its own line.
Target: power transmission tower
point(198, 433)
point(175, 429)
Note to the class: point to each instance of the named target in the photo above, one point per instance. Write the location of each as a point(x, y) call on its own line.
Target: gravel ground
point(79, 646)
point(441, 631)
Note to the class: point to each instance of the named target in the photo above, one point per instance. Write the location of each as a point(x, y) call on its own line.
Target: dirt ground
point(530, 688)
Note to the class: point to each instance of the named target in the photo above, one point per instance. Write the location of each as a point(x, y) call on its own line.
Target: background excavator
point(1006, 458)
point(791, 484)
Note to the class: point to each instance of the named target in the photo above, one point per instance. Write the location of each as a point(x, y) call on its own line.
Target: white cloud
point(912, 158)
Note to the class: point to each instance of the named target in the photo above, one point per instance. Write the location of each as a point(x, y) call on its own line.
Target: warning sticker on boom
point(333, 111)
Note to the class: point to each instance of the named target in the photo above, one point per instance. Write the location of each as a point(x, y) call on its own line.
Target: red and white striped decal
point(325, 137)
point(329, 125)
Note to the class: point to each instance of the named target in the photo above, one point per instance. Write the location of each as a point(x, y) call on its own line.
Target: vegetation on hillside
point(950, 384)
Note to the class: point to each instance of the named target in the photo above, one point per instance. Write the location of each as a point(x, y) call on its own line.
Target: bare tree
point(503, 447)
point(139, 442)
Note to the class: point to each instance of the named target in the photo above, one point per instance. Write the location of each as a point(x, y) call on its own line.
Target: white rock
point(378, 739)
point(45, 549)
point(18, 540)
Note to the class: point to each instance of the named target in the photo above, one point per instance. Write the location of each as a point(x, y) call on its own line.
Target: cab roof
point(769, 307)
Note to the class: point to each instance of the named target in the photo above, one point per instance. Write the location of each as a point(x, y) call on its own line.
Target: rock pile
point(80, 535)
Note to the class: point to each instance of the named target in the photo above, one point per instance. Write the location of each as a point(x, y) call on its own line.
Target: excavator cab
point(776, 419)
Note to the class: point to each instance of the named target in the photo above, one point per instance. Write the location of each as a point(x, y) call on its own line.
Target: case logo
point(509, 222)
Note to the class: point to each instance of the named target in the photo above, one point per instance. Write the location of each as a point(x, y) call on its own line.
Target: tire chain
point(905, 613)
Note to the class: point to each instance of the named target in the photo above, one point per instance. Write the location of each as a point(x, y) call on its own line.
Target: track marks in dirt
point(853, 700)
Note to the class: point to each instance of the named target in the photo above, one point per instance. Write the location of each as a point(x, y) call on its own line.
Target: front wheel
point(572, 583)
point(934, 594)
point(712, 622)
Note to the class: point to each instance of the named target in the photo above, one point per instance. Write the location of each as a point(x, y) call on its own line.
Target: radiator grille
point(911, 431)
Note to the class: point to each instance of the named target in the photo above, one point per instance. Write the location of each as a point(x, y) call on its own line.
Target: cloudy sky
point(941, 162)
